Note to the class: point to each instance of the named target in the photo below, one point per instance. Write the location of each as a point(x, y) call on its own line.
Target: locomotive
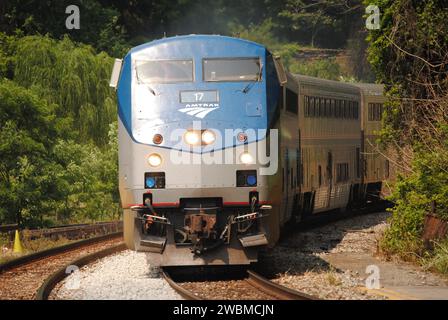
point(220, 148)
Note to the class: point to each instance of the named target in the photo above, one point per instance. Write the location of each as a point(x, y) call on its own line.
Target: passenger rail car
point(376, 167)
point(219, 148)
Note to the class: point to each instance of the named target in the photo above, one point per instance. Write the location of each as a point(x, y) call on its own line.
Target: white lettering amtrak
point(199, 110)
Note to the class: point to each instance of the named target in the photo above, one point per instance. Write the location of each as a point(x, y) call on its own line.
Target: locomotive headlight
point(246, 158)
point(208, 137)
point(192, 137)
point(154, 160)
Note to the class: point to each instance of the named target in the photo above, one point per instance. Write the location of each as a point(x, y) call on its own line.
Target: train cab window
point(164, 71)
point(356, 109)
point(332, 111)
point(231, 69)
point(292, 101)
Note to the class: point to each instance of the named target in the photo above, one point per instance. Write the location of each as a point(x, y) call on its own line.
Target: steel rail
point(275, 289)
point(45, 289)
point(269, 288)
point(179, 289)
point(56, 250)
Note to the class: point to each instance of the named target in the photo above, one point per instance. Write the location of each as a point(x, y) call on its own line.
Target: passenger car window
point(164, 71)
point(232, 69)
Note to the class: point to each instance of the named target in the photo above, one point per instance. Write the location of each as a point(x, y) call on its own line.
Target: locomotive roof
point(203, 37)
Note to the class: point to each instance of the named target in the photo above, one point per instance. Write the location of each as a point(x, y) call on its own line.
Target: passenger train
point(220, 148)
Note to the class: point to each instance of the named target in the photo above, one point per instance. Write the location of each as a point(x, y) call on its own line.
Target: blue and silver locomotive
point(194, 116)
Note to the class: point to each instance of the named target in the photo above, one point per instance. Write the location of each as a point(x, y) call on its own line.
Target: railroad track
point(72, 232)
point(252, 287)
point(32, 276)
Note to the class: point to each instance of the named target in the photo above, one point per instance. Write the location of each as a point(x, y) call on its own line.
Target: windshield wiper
point(150, 89)
point(248, 87)
point(251, 84)
point(147, 85)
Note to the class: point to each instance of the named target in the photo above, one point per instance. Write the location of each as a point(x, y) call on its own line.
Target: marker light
point(154, 160)
point(192, 137)
point(150, 182)
point(246, 158)
point(242, 137)
point(157, 139)
point(251, 180)
point(208, 137)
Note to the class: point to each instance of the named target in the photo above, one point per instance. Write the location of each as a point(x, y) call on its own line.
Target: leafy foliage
point(99, 24)
point(408, 54)
point(263, 33)
point(71, 76)
point(322, 68)
point(58, 145)
point(114, 26)
point(26, 137)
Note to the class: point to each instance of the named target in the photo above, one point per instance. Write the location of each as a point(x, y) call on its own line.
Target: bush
point(406, 224)
point(438, 260)
point(322, 68)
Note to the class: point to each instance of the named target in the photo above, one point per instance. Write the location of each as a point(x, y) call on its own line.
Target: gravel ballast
point(303, 261)
point(123, 276)
point(300, 261)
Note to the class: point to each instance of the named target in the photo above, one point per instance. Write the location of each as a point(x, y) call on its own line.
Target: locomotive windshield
point(164, 71)
point(232, 69)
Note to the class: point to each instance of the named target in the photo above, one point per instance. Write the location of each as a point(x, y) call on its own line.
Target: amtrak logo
point(199, 110)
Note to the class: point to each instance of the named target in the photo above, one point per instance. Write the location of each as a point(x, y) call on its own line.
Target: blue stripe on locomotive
point(235, 106)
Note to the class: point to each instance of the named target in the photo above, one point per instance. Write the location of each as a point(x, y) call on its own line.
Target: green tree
point(99, 24)
point(26, 133)
point(58, 148)
point(308, 19)
point(73, 77)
